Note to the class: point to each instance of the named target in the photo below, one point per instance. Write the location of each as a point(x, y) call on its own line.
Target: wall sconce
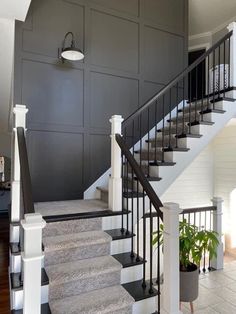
point(70, 53)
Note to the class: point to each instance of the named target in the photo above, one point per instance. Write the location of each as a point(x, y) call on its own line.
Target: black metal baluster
point(214, 78)
point(122, 188)
point(151, 257)
point(163, 126)
point(190, 101)
point(177, 115)
point(156, 131)
point(219, 76)
point(158, 267)
point(170, 121)
point(210, 229)
point(204, 258)
point(144, 242)
point(183, 117)
point(126, 186)
point(208, 82)
point(132, 195)
point(229, 70)
point(137, 236)
point(149, 141)
point(196, 96)
point(224, 68)
point(203, 87)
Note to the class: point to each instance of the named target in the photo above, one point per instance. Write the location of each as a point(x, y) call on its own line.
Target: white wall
point(225, 178)
point(194, 187)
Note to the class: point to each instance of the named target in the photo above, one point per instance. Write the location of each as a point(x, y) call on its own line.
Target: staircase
point(97, 253)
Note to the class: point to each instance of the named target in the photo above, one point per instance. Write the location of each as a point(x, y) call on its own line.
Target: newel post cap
point(33, 221)
point(231, 26)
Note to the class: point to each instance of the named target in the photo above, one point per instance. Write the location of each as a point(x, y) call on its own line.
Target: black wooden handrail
point(177, 79)
point(140, 175)
point(198, 210)
point(25, 173)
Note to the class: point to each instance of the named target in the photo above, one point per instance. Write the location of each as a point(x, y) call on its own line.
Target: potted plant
point(193, 244)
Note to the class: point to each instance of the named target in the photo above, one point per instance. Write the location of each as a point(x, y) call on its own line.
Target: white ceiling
point(14, 9)
point(207, 15)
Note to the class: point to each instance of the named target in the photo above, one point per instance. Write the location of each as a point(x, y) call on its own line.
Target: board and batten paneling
point(194, 187)
point(132, 49)
point(225, 179)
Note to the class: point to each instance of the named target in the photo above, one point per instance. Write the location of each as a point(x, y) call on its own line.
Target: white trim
point(199, 46)
point(200, 35)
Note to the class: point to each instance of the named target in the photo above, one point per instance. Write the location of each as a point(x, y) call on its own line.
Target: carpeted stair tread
point(109, 300)
point(72, 271)
point(72, 240)
point(69, 207)
point(77, 246)
point(72, 226)
point(75, 278)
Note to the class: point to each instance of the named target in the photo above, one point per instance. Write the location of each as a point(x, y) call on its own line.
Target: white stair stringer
point(196, 145)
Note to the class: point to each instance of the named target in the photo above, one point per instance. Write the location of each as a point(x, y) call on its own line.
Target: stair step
point(162, 164)
point(75, 278)
point(137, 291)
point(45, 309)
point(176, 149)
point(77, 246)
point(222, 98)
point(189, 135)
point(87, 215)
point(126, 260)
point(113, 300)
point(201, 123)
point(117, 234)
point(212, 111)
point(17, 283)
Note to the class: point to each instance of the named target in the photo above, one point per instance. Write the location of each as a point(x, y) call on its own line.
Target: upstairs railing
point(208, 218)
point(29, 235)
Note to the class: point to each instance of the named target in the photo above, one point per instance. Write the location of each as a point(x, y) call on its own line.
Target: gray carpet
point(83, 277)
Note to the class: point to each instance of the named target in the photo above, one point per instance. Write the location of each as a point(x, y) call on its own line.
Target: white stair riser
point(120, 246)
point(14, 233)
point(15, 263)
point(130, 274)
point(145, 306)
point(16, 297)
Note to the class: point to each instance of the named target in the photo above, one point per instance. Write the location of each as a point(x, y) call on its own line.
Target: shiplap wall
point(194, 187)
point(225, 175)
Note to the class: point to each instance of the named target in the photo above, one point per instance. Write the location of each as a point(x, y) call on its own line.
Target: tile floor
point(217, 292)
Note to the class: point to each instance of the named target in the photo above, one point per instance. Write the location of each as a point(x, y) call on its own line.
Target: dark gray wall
point(132, 49)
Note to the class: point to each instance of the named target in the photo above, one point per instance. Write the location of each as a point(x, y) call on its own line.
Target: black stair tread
point(149, 178)
point(176, 149)
point(15, 248)
point(137, 291)
point(117, 234)
point(94, 214)
point(201, 123)
point(147, 215)
point(221, 98)
point(45, 309)
point(212, 110)
point(126, 260)
point(16, 283)
point(131, 194)
point(188, 135)
point(162, 163)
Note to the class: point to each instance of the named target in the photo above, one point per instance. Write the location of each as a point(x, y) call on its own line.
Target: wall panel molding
point(74, 101)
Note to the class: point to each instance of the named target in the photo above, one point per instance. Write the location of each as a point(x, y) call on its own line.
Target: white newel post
point(232, 27)
point(218, 262)
point(171, 294)
point(32, 262)
point(115, 180)
point(20, 117)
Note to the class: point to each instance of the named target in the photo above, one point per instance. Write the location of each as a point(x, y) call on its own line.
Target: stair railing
point(208, 218)
point(172, 113)
point(31, 224)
